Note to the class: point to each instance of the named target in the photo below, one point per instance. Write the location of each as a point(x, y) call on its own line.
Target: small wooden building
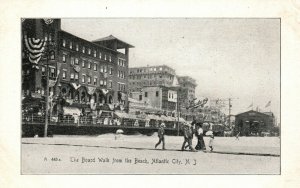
point(253, 123)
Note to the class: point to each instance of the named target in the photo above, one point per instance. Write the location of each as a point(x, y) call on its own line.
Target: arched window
point(72, 94)
point(83, 96)
point(95, 97)
point(119, 97)
point(110, 99)
point(64, 91)
point(100, 96)
point(76, 98)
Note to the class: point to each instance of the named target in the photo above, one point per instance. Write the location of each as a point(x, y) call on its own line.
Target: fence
point(94, 121)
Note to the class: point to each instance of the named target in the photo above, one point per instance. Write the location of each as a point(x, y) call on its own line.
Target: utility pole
point(229, 112)
point(178, 117)
point(47, 93)
point(50, 45)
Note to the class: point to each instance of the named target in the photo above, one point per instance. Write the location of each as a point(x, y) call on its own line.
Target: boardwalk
point(136, 154)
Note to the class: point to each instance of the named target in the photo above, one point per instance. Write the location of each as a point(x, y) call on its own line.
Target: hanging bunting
point(35, 48)
point(35, 67)
point(75, 85)
point(111, 106)
point(105, 91)
point(91, 90)
point(70, 101)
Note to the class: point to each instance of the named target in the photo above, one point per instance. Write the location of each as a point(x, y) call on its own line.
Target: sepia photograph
point(178, 95)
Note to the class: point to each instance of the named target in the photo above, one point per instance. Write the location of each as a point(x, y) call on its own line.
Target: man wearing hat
point(188, 136)
point(161, 135)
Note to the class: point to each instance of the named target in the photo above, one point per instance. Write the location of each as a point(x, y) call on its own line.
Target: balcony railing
point(93, 121)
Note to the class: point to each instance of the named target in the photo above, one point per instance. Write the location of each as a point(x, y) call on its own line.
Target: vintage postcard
point(151, 96)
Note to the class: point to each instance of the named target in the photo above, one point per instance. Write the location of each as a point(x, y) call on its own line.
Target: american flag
point(268, 104)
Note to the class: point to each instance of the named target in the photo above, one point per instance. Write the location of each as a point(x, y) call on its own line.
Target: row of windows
point(149, 76)
point(87, 79)
point(146, 95)
point(132, 71)
point(171, 96)
point(121, 74)
point(52, 72)
point(73, 76)
point(146, 83)
point(121, 87)
point(89, 65)
point(121, 62)
point(89, 51)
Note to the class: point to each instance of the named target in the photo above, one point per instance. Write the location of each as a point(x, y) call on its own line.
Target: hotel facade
point(84, 75)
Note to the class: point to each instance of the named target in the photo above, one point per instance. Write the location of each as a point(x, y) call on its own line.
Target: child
point(211, 139)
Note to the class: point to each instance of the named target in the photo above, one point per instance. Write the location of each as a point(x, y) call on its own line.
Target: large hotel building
point(160, 88)
point(140, 77)
point(81, 73)
point(186, 91)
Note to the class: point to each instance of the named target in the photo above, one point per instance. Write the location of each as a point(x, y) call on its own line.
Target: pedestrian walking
point(188, 137)
point(211, 139)
point(197, 132)
point(161, 136)
point(201, 144)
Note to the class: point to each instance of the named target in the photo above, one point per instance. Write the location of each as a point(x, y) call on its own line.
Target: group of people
point(188, 133)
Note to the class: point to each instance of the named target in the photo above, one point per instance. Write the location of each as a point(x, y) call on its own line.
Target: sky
point(229, 58)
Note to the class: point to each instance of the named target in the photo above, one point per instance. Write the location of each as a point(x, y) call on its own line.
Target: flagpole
point(47, 93)
point(178, 108)
point(47, 53)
